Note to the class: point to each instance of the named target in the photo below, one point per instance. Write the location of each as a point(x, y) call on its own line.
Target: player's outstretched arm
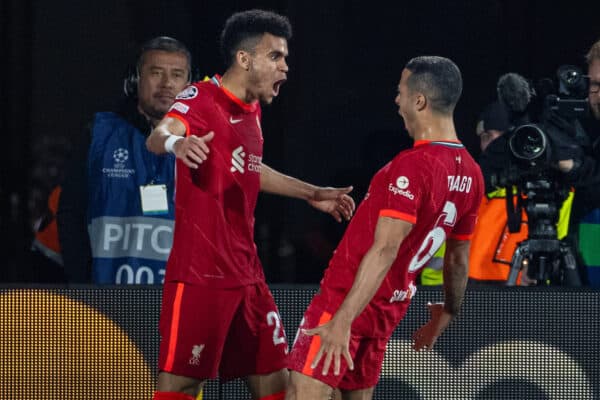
point(456, 272)
point(334, 201)
point(168, 137)
point(335, 335)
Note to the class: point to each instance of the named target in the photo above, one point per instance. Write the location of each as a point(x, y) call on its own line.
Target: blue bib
point(128, 247)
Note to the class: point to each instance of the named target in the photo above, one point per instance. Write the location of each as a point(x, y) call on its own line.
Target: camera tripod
point(547, 261)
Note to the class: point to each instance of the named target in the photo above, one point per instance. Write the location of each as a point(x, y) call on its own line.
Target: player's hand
point(334, 201)
point(335, 341)
point(426, 336)
point(193, 150)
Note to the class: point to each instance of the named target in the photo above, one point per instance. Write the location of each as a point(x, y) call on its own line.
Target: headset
point(165, 43)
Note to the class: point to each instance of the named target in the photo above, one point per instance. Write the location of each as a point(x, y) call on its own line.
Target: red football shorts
point(367, 352)
point(231, 333)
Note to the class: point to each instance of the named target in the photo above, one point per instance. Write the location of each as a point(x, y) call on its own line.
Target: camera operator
point(514, 95)
point(584, 173)
point(528, 200)
point(492, 245)
point(492, 123)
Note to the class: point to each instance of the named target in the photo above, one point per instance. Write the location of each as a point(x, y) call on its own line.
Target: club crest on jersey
point(188, 93)
point(196, 352)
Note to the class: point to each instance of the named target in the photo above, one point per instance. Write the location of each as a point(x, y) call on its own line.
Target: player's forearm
point(275, 182)
point(456, 273)
point(371, 273)
point(156, 141)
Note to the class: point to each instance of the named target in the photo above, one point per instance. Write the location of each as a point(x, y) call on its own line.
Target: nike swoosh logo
point(234, 121)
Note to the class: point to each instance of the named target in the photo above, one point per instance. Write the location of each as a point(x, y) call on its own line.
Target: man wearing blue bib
point(116, 208)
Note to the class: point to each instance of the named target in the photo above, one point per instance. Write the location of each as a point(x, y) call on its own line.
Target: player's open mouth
point(276, 86)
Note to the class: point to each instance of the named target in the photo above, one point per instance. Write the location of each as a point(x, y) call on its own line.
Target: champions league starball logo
point(189, 92)
point(120, 155)
point(118, 170)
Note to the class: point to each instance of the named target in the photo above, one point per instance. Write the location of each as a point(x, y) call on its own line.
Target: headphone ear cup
point(130, 82)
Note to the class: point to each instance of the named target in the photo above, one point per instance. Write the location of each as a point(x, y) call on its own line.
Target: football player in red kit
point(424, 197)
point(218, 316)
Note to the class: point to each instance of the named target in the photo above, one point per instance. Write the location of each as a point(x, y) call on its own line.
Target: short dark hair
point(164, 43)
point(514, 91)
point(438, 78)
point(244, 29)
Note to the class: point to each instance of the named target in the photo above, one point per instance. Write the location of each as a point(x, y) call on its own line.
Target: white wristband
point(170, 142)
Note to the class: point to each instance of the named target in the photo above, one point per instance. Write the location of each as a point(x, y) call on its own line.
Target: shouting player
point(218, 316)
point(424, 197)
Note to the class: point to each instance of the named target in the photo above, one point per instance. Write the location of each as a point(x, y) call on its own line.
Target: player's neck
point(435, 129)
point(234, 82)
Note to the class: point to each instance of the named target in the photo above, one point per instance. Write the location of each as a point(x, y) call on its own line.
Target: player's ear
point(243, 59)
point(420, 101)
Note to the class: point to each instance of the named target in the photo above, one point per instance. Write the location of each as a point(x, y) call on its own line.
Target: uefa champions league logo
point(118, 170)
point(120, 155)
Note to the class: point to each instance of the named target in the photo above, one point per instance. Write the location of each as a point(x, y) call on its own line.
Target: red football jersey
point(436, 186)
point(213, 242)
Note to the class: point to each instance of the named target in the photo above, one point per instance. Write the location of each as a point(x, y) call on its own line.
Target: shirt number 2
point(274, 321)
point(435, 238)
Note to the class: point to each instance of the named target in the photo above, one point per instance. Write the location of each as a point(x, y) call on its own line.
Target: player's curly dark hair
point(243, 30)
point(438, 78)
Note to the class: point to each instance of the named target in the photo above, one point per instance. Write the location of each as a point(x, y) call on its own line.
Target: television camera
point(545, 129)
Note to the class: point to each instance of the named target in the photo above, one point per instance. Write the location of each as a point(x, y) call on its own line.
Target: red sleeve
point(190, 107)
point(404, 185)
point(182, 119)
point(398, 215)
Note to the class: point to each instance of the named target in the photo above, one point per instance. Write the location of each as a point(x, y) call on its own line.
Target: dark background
point(334, 122)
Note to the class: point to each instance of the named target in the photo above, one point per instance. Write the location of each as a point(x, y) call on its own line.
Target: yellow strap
point(500, 192)
point(564, 215)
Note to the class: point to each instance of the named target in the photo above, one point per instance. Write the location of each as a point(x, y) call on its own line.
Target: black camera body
point(544, 133)
point(549, 121)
